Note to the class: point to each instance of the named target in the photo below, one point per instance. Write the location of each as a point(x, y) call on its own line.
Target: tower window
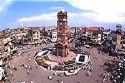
point(121, 42)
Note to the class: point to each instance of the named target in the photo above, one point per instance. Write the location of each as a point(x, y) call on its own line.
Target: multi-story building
point(7, 33)
point(20, 32)
point(34, 34)
point(62, 32)
point(118, 36)
point(123, 40)
point(71, 32)
point(93, 33)
point(106, 35)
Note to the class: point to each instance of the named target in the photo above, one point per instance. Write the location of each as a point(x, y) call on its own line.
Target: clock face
point(64, 19)
point(60, 23)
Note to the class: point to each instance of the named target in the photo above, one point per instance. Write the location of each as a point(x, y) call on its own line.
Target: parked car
point(50, 48)
point(70, 72)
point(59, 73)
point(121, 52)
point(14, 50)
point(87, 46)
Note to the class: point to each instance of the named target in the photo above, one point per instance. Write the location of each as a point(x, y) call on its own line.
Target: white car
point(70, 72)
point(58, 73)
point(1, 63)
point(87, 46)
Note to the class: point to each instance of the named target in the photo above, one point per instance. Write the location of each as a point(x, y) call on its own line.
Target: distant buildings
point(95, 33)
point(120, 37)
point(7, 33)
point(106, 35)
point(62, 34)
point(34, 34)
point(20, 32)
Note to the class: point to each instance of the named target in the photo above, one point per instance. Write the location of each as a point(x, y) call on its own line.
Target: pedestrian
point(30, 67)
point(9, 67)
point(22, 82)
point(11, 73)
point(58, 81)
point(9, 64)
point(61, 81)
point(12, 78)
point(36, 67)
point(15, 68)
point(88, 73)
point(25, 66)
point(29, 59)
point(28, 72)
point(22, 65)
point(31, 82)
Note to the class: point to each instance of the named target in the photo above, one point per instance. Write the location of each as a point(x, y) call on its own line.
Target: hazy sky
point(104, 13)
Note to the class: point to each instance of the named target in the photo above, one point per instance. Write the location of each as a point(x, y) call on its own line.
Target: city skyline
point(105, 13)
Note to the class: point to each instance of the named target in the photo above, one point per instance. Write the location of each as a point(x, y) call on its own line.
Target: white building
point(82, 58)
point(2, 74)
point(99, 38)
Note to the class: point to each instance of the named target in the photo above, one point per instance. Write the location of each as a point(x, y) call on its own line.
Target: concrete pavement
point(40, 75)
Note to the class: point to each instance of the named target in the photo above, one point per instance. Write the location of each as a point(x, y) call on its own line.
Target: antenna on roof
point(21, 24)
point(63, 10)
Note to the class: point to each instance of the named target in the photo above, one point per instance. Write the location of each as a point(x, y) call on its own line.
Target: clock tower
point(62, 38)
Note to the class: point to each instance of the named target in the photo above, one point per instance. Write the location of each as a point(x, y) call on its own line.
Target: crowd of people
point(115, 70)
point(11, 68)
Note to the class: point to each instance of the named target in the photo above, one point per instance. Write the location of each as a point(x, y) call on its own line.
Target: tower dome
point(63, 10)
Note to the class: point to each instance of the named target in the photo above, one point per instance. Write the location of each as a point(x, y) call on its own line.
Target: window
point(121, 42)
point(33, 32)
point(121, 38)
point(60, 27)
point(60, 23)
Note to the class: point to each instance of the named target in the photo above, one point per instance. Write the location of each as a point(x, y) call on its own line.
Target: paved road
point(39, 75)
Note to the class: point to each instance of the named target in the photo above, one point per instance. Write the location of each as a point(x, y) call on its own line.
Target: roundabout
point(69, 65)
point(59, 58)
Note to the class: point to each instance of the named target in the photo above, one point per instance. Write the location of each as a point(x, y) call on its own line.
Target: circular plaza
point(47, 60)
